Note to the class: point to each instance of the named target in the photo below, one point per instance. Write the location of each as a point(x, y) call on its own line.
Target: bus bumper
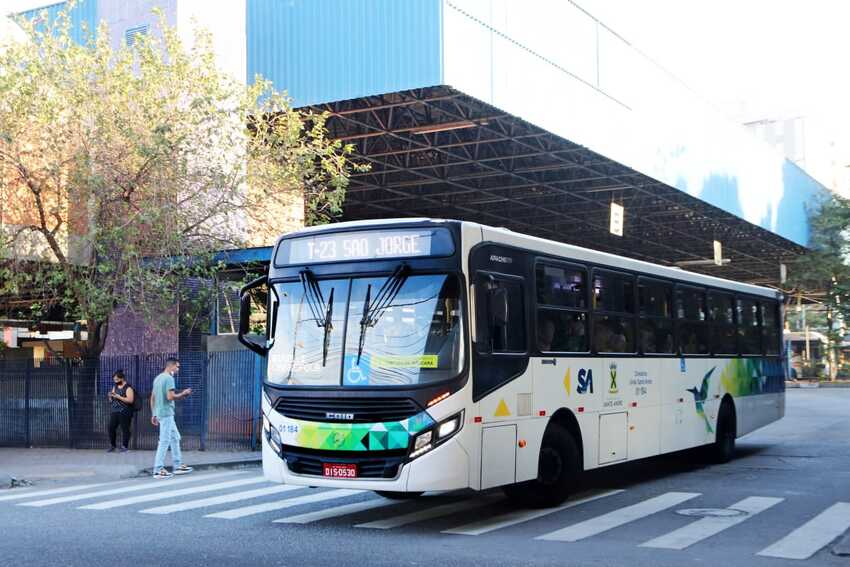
point(444, 468)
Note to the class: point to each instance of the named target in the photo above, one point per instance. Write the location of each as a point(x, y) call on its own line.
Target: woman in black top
point(121, 399)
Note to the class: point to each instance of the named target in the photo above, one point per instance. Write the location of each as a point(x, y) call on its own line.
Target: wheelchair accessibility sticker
point(355, 374)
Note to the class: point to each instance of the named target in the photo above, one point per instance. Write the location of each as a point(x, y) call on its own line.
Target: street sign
point(616, 226)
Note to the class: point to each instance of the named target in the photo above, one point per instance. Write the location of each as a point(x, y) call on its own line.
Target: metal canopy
point(439, 153)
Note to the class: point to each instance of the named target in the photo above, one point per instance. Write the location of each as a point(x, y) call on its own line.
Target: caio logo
point(585, 381)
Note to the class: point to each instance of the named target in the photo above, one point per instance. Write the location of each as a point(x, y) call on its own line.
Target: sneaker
point(183, 469)
point(123, 450)
point(111, 450)
point(162, 474)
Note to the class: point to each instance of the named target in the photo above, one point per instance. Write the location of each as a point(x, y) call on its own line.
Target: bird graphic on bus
point(700, 396)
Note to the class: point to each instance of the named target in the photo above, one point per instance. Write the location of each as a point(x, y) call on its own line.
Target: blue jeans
point(168, 437)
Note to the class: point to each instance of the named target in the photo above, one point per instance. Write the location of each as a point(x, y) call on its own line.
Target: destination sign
point(365, 245)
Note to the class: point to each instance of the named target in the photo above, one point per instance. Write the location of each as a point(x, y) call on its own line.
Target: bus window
point(692, 325)
point(749, 328)
point(613, 292)
point(561, 331)
point(501, 308)
point(721, 308)
point(561, 308)
point(655, 306)
point(614, 307)
point(561, 286)
point(770, 326)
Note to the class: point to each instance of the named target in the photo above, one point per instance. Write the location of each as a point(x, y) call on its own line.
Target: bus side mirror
point(261, 348)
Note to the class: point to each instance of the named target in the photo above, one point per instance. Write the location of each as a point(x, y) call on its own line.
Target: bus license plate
point(336, 470)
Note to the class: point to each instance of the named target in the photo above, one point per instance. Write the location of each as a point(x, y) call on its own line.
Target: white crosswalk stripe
point(223, 499)
point(431, 513)
point(519, 516)
point(622, 516)
point(171, 493)
point(713, 525)
point(801, 543)
point(282, 504)
point(124, 489)
point(809, 538)
point(336, 511)
point(29, 493)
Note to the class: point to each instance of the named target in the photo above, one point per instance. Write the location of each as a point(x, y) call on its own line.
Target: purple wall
point(129, 333)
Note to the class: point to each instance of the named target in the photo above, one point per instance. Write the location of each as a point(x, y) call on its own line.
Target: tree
point(824, 270)
point(123, 171)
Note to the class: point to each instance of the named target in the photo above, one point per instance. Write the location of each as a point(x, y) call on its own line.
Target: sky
point(750, 59)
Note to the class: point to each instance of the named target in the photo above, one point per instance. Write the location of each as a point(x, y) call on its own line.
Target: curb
point(211, 466)
point(816, 384)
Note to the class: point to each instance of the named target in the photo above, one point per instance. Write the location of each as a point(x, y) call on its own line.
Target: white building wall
point(554, 65)
point(122, 16)
point(226, 21)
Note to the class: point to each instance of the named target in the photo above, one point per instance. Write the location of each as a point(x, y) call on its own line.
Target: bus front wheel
point(557, 471)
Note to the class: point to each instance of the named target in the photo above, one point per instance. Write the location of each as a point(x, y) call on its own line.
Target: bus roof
point(569, 251)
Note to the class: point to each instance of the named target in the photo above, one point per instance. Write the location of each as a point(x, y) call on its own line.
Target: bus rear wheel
point(723, 448)
point(398, 495)
point(557, 471)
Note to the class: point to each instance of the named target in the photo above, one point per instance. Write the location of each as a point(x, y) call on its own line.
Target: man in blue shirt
point(162, 415)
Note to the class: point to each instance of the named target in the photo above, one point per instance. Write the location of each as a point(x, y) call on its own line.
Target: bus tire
point(723, 448)
point(557, 471)
point(398, 495)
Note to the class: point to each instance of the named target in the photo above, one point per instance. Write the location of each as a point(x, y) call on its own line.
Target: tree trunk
point(96, 339)
point(832, 347)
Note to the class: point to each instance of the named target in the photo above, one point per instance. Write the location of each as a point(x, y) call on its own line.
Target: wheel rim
point(551, 466)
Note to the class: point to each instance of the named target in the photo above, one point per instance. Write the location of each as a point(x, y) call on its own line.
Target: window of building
point(132, 34)
point(691, 315)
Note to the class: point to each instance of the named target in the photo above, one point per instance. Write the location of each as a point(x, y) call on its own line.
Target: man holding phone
point(163, 397)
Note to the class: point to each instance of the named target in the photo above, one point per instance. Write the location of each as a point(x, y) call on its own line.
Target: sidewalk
point(36, 465)
point(817, 384)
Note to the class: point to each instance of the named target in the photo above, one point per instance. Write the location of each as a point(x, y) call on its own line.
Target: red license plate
point(337, 470)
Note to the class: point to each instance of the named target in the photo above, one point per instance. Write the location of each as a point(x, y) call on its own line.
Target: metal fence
point(63, 403)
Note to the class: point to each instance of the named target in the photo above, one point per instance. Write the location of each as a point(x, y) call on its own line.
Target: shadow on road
point(657, 468)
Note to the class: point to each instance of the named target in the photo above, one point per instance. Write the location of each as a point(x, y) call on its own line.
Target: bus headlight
point(427, 440)
point(449, 426)
point(267, 427)
point(274, 440)
point(422, 441)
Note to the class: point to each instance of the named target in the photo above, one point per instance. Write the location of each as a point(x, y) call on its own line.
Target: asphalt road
point(789, 479)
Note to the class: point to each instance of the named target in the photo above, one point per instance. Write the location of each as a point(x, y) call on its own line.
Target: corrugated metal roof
point(342, 49)
point(83, 17)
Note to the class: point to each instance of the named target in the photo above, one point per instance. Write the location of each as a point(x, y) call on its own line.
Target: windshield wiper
point(383, 299)
point(322, 314)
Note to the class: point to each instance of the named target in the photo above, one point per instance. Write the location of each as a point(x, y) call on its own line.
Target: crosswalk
point(238, 495)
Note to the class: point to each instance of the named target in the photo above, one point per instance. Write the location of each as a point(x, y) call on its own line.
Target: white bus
point(413, 355)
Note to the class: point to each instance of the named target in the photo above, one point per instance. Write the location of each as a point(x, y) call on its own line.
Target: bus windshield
point(393, 330)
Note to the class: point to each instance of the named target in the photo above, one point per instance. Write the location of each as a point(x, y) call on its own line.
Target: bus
point(414, 355)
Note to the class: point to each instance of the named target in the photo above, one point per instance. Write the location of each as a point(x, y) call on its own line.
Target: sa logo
point(585, 381)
